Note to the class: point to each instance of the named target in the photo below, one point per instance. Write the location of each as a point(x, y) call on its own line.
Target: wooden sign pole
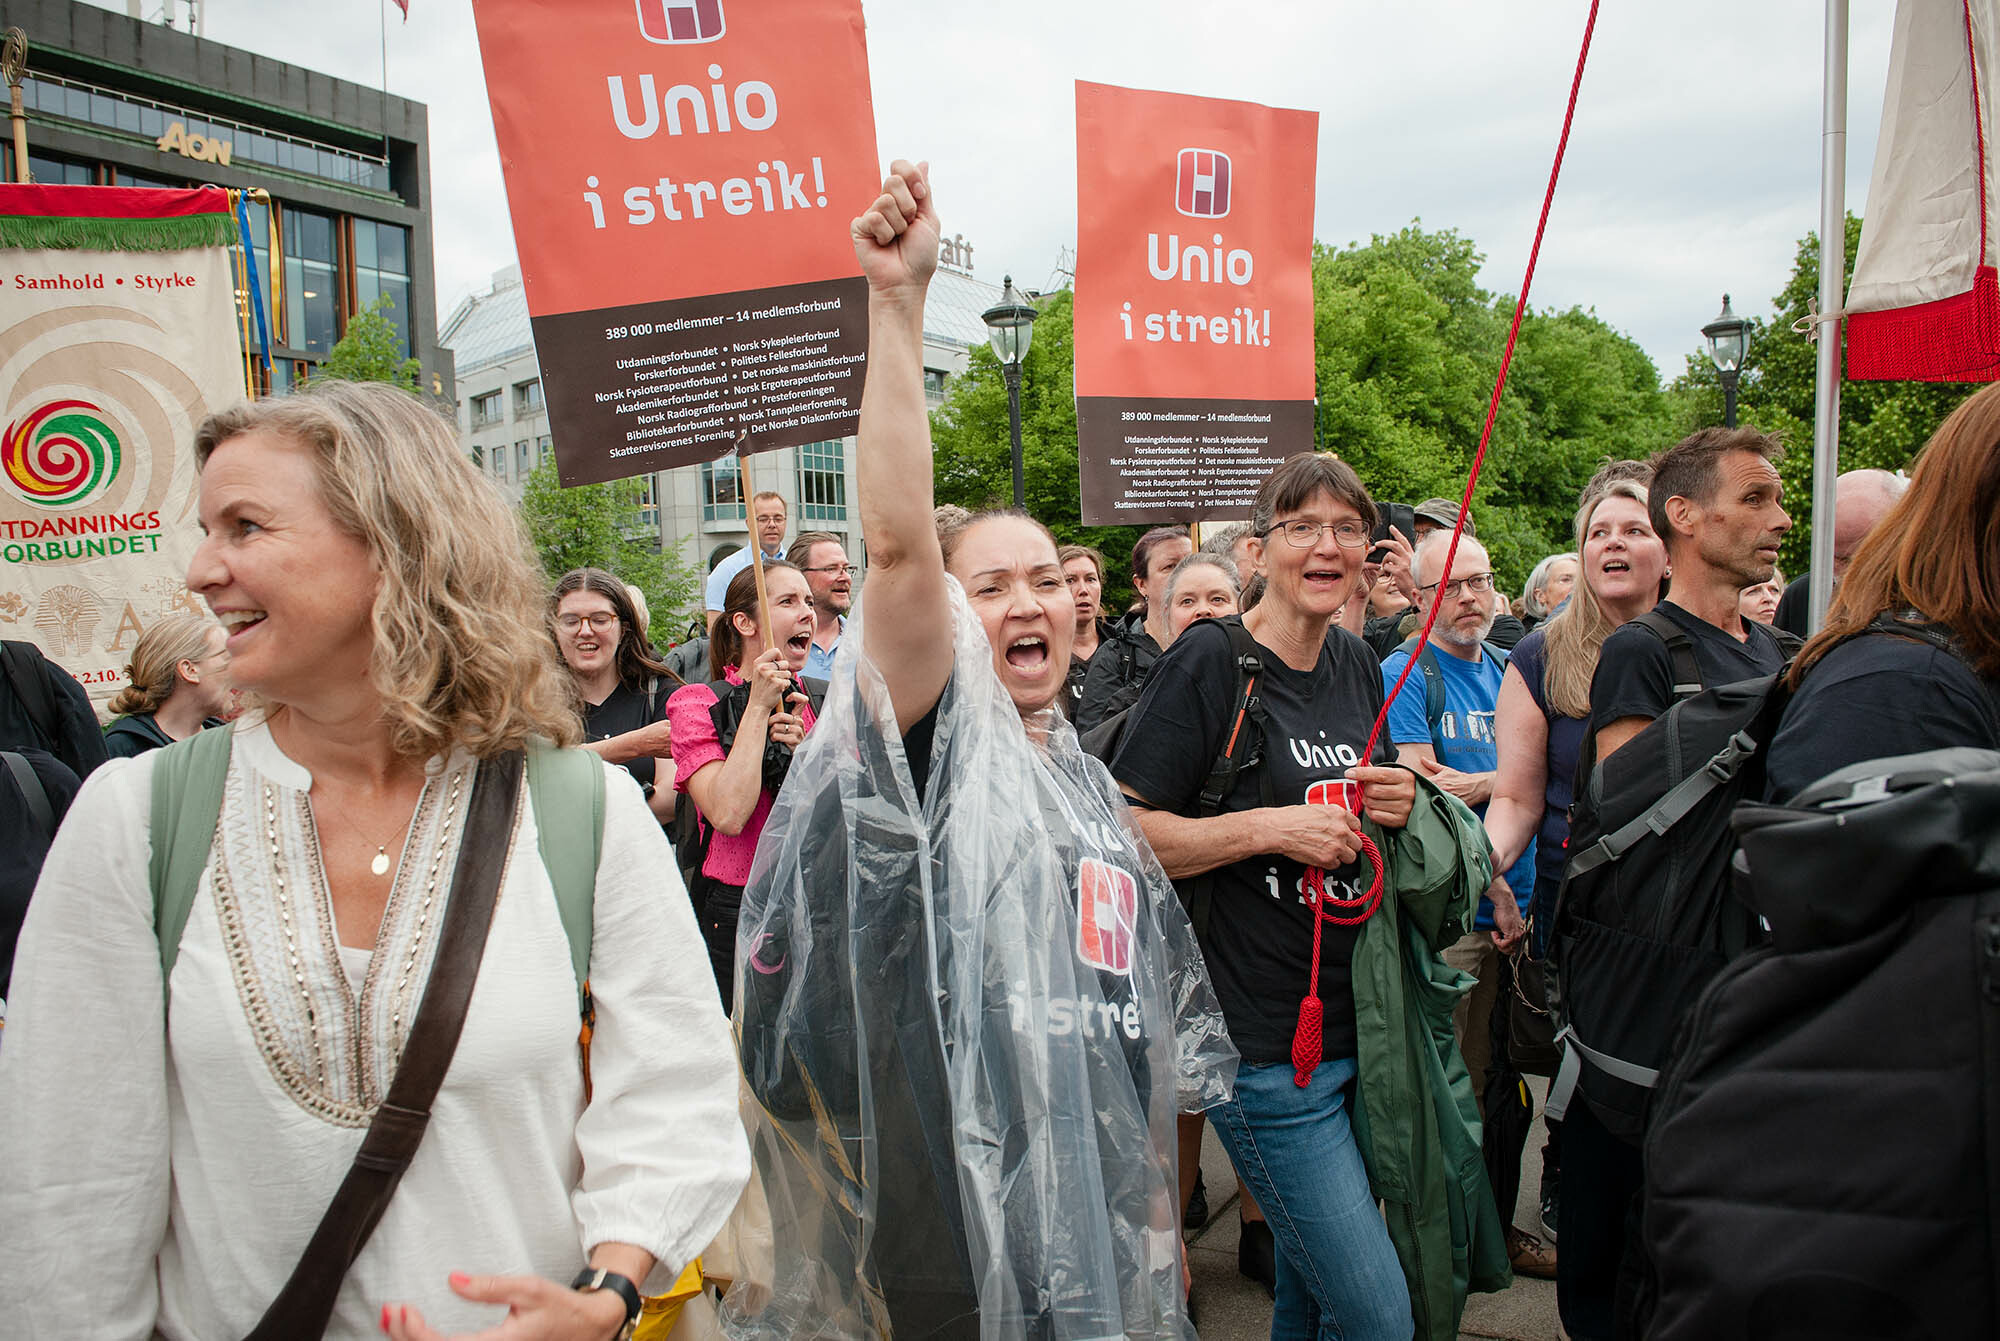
point(756, 541)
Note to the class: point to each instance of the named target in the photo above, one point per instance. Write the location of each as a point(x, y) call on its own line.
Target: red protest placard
point(1194, 320)
point(680, 175)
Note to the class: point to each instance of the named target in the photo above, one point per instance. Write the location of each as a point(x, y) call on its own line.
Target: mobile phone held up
point(1402, 516)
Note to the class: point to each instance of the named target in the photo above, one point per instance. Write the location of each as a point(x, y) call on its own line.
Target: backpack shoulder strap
point(1680, 647)
point(188, 778)
point(566, 788)
point(32, 791)
point(1245, 723)
point(1427, 662)
point(815, 692)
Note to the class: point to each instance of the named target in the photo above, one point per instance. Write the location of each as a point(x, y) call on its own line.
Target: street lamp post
point(1728, 339)
point(1010, 325)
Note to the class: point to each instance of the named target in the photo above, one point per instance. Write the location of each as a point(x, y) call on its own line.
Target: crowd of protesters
point(917, 945)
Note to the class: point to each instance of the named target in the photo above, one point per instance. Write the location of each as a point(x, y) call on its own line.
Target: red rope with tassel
point(1307, 1039)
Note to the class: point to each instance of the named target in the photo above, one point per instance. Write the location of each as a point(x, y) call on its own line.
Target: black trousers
point(717, 911)
point(1595, 1220)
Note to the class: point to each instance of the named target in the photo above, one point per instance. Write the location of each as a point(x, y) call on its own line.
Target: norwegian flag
point(676, 21)
point(1201, 189)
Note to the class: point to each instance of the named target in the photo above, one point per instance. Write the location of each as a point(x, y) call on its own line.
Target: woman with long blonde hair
point(178, 683)
point(191, 1112)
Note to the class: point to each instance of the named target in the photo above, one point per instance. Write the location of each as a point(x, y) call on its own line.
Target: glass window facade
point(382, 269)
point(721, 491)
point(545, 448)
point(312, 306)
point(527, 397)
point(486, 409)
point(130, 115)
point(60, 171)
point(524, 460)
point(649, 502)
point(823, 482)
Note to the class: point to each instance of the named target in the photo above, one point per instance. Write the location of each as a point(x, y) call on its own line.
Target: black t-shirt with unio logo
point(1635, 670)
point(1259, 942)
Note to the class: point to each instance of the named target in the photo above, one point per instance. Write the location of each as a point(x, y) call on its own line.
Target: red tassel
point(1308, 1041)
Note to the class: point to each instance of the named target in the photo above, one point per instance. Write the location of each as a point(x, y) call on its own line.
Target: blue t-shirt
point(1463, 739)
point(819, 661)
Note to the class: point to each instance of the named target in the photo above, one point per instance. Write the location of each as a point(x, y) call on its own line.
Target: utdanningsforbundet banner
point(1194, 329)
point(680, 175)
point(118, 336)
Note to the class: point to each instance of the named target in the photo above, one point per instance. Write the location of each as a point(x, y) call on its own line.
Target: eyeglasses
point(1305, 534)
point(837, 569)
point(571, 623)
point(1479, 583)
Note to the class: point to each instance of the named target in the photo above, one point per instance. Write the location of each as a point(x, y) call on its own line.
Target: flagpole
point(382, 11)
point(1832, 302)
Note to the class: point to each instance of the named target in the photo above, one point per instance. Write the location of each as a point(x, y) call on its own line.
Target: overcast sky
point(1693, 167)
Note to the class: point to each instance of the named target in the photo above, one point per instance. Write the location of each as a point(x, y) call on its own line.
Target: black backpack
point(1823, 1158)
point(687, 831)
point(1645, 916)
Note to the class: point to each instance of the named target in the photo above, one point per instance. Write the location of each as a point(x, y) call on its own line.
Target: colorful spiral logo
point(60, 453)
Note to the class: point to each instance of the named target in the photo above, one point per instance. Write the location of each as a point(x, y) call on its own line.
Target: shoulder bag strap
point(188, 778)
point(32, 791)
point(305, 1304)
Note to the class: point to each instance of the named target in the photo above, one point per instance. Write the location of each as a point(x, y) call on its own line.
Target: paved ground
point(1232, 1308)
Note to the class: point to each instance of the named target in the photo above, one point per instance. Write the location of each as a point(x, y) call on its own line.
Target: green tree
point(596, 526)
point(1406, 349)
point(371, 351)
point(1882, 424)
point(1406, 346)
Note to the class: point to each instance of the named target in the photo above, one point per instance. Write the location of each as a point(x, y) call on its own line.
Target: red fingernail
point(385, 1317)
point(403, 1314)
point(460, 1278)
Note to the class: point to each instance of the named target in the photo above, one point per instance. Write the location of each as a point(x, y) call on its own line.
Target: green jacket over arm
point(1416, 1121)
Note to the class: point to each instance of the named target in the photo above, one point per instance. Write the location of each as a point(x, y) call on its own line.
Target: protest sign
point(680, 175)
point(119, 336)
point(1194, 320)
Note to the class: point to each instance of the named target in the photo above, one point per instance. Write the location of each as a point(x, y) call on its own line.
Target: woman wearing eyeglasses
point(1293, 1144)
point(621, 685)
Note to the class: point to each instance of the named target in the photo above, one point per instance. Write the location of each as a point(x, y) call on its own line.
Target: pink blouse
point(696, 745)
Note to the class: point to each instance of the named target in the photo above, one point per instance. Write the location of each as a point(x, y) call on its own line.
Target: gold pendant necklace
point(379, 863)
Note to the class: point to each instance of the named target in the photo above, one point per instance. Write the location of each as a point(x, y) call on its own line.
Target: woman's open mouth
point(1028, 654)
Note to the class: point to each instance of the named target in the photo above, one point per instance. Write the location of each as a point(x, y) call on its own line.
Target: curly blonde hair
point(462, 655)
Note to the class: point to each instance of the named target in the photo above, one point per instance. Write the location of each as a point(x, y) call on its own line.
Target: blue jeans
point(1338, 1276)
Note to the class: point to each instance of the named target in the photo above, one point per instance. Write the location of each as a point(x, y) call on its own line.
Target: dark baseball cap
point(1442, 512)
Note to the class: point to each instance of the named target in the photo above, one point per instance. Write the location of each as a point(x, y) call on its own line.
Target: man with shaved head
point(1861, 498)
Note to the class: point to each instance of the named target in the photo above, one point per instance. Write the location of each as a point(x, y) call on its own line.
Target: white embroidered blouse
point(163, 1175)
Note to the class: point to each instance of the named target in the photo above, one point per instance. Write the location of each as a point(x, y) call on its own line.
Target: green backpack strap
point(188, 778)
point(566, 788)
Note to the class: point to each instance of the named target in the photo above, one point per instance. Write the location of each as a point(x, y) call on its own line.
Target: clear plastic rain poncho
point(970, 1018)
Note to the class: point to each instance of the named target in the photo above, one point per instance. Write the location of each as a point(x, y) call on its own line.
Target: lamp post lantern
point(1010, 325)
point(1728, 339)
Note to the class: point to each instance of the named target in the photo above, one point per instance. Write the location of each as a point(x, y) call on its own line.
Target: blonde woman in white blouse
point(160, 1172)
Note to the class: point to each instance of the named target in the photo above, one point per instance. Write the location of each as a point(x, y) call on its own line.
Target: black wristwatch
point(597, 1278)
point(646, 789)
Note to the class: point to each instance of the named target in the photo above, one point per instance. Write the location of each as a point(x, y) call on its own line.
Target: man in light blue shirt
point(767, 517)
point(1443, 726)
point(822, 558)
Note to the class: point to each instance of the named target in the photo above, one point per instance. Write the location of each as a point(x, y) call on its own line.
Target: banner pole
point(240, 269)
point(14, 65)
point(756, 544)
point(1832, 299)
